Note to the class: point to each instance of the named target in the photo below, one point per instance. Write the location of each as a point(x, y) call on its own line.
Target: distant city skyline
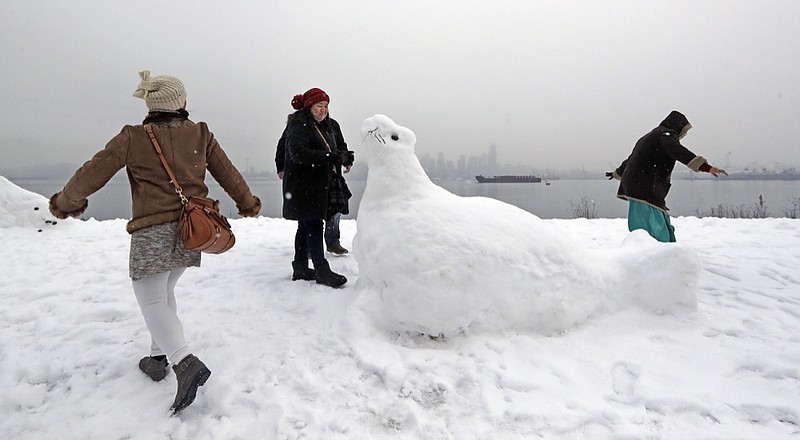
point(467, 167)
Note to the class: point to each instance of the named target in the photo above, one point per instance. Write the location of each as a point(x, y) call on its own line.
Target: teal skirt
point(653, 220)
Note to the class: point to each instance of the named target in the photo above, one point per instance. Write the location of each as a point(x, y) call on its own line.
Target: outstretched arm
point(72, 201)
point(230, 179)
point(673, 147)
point(700, 164)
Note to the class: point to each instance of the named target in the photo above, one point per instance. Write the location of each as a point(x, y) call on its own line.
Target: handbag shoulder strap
point(178, 189)
point(323, 138)
point(328, 147)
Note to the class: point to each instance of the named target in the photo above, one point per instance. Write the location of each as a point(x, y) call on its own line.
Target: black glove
point(610, 175)
point(334, 158)
point(348, 157)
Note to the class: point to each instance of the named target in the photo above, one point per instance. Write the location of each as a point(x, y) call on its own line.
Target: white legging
point(156, 297)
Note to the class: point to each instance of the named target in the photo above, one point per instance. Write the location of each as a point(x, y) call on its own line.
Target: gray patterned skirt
point(155, 249)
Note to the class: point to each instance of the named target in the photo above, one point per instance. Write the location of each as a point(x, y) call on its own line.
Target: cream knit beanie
point(161, 93)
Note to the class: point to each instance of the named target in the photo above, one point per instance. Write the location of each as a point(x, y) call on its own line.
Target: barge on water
point(508, 179)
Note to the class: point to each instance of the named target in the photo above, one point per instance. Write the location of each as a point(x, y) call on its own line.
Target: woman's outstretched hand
point(717, 171)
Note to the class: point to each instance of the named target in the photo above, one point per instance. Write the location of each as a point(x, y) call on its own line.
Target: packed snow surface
point(598, 333)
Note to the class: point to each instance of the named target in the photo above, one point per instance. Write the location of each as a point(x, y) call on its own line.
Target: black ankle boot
point(337, 249)
point(302, 271)
point(154, 366)
point(192, 374)
point(326, 276)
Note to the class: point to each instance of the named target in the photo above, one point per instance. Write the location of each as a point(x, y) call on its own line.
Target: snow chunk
point(22, 208)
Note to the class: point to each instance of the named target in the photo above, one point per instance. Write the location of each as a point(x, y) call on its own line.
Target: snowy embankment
point(294, 360)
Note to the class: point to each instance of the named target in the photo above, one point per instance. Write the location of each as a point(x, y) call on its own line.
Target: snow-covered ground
point(605, 334)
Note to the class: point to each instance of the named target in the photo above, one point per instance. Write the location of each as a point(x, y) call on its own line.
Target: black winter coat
point(646, 174)
point(303, 156)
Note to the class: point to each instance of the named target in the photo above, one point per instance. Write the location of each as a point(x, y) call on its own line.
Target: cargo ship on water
point(508, 179)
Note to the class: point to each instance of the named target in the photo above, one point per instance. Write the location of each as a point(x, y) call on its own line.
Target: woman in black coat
point(645, 176)
point(312, 156)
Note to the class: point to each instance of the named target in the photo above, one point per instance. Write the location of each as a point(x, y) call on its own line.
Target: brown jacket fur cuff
point(252, 211)
point(57, 213)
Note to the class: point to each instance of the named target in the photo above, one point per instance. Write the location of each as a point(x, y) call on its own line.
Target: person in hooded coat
point(314, 151)
point(645, 176)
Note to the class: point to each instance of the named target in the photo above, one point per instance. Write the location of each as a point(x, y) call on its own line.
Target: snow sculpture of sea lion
point(437, 263)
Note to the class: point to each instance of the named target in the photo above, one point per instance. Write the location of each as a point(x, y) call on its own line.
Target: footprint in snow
point(623, 380)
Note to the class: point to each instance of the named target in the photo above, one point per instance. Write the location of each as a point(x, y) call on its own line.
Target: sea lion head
point(381, 130)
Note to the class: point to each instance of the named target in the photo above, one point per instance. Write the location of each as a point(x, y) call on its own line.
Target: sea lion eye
point(394, 137)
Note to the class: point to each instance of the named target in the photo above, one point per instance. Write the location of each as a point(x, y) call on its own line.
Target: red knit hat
point(309, 98)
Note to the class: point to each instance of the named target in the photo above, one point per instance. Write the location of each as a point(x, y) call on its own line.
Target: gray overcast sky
point(558, 84)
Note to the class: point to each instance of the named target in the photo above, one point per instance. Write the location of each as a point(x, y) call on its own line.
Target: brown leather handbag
point(201, 226)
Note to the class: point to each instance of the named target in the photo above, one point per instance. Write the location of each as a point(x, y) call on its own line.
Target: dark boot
point(191, 374)
point(337, 249)
point(326, 276)
point(302, 271)
point(154, 366)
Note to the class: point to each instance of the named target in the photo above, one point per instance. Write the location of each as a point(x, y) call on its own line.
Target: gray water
point(554, 201)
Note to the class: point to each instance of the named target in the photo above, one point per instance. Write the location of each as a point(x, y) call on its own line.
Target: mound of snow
point(658, 276)
point(22, 208)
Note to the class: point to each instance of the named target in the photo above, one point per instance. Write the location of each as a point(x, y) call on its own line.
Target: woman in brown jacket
point(157, 260)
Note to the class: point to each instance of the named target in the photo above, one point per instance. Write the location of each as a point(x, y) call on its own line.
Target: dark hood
point(675, 121)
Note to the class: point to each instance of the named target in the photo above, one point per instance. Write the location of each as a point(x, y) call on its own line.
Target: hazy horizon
point(556, 85)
